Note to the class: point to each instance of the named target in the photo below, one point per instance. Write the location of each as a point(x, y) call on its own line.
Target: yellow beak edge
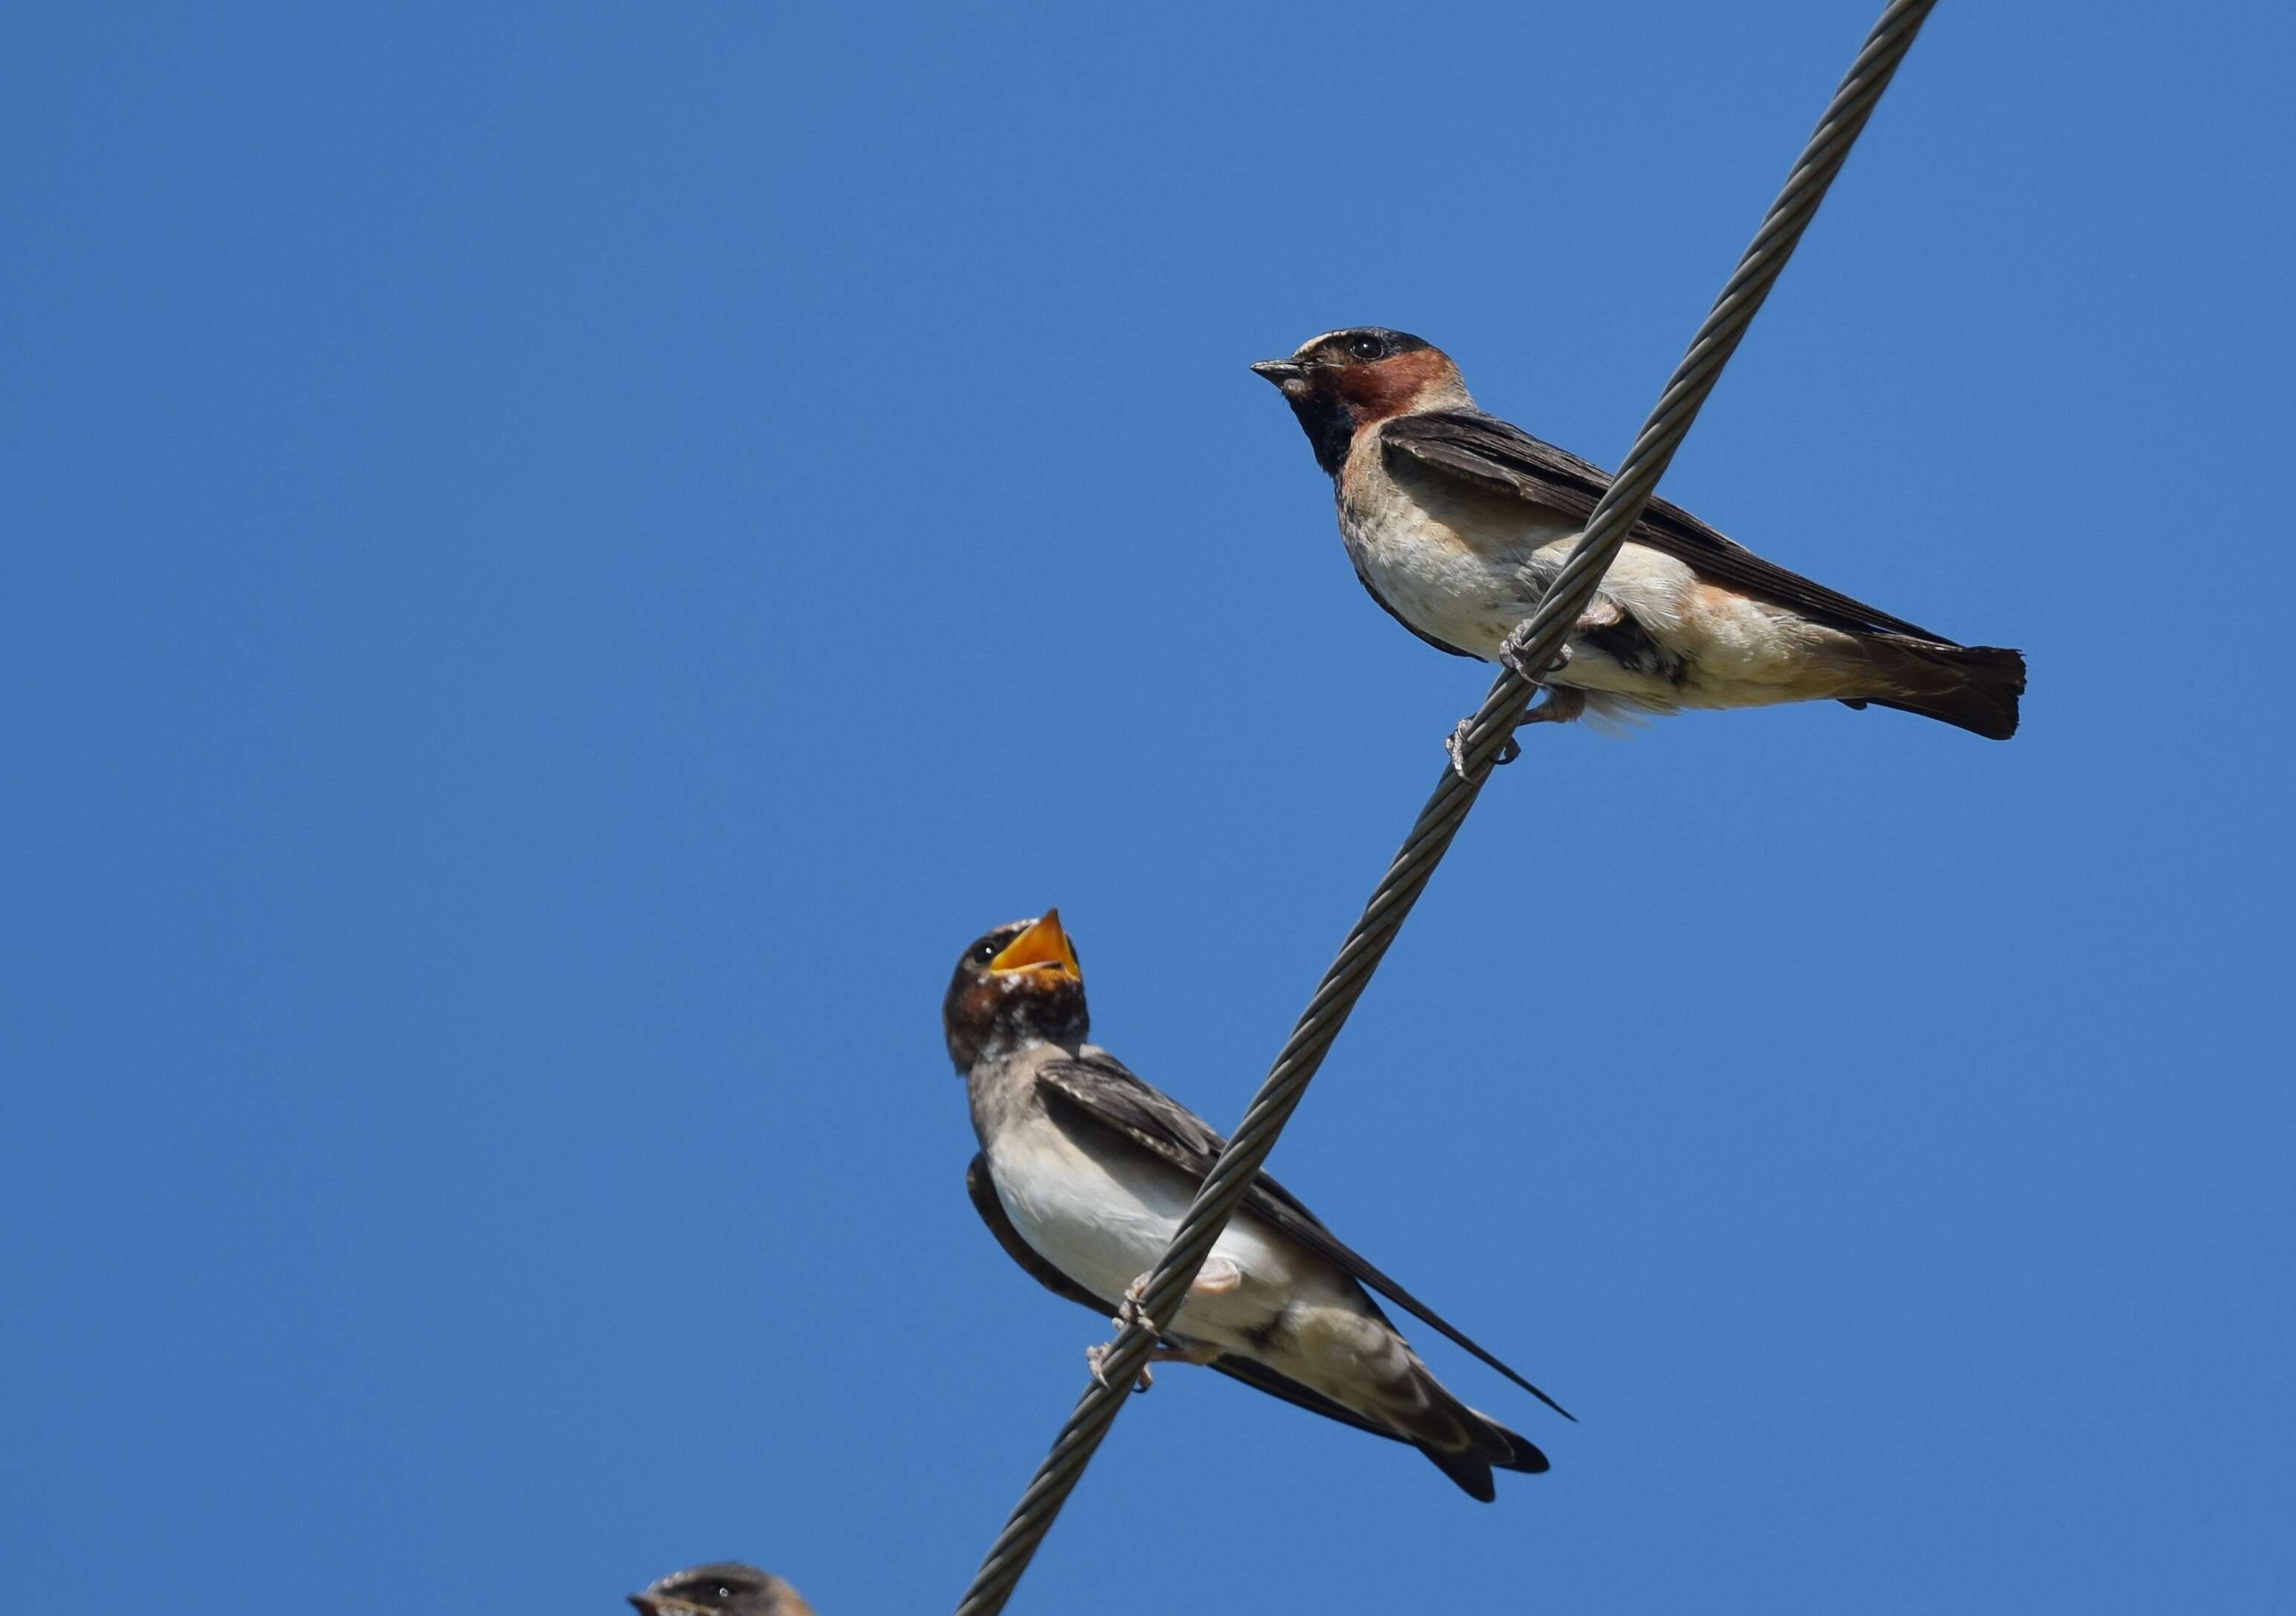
point(1042, 946)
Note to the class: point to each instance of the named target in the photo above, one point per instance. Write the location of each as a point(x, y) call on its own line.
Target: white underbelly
point(1734, 651)
point(1447, 596)
point(1104, 1229)
point(1436, 581)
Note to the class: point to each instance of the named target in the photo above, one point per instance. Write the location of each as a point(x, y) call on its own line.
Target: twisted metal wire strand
point(1614, 517)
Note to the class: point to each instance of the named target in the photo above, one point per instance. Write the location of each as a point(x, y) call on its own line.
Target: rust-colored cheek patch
point(979, 1004)
point(1383, 391)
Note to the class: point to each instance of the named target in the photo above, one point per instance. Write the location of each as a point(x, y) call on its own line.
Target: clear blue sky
point(561, 561)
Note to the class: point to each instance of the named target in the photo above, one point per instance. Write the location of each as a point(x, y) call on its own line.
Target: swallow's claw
point(1561, 705)
point(1096, 1359)
point(1129, 1311)
point(1186, 1352)
point(1512, 650)
point(1457, 746)
point(1132, 1309)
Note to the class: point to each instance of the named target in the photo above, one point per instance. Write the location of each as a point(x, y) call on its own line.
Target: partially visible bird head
point(726, 1587)
point(1018, 985)
point(1344, 380)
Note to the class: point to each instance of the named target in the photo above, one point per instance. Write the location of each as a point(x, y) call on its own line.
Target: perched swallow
point(726, 1587)
point(1083, 1174)
point(1457, 523)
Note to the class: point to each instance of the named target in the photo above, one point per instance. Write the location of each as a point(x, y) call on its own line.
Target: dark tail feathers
point(1971, 687)
point(1496, 1446)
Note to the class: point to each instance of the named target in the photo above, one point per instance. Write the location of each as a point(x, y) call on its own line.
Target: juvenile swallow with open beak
point(726, 1587)
point(1457, 524)
point(1085, 1172)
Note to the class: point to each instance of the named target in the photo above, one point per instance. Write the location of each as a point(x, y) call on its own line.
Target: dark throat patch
point(1330, 427)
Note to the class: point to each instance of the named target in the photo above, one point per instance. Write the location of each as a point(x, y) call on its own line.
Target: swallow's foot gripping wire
point(1456, 744)
point(1561, 705)
point(1169, 1352)
point(1095, 1358)
point(1217, 1277)
point(1513, 650)
point(1132, 1310)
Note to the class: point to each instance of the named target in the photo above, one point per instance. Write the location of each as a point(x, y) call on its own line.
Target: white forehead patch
point(1311, 342)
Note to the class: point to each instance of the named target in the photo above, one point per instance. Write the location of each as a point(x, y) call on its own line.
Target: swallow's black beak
point(646, 1606)
point(1282, 372)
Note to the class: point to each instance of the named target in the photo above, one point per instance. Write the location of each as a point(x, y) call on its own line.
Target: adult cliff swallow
point(1457, 523)
point(1083, 1174)
point(726, 1587)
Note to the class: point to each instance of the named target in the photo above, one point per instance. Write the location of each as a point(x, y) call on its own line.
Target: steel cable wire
point(1503, 710)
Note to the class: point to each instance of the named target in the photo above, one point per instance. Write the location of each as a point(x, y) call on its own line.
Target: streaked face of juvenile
point(1344, 380)
point(724, 1588)
point(1016, 986)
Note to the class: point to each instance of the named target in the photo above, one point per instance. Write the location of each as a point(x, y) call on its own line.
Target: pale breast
point(1448, 563)
point(1101, 1227)
point(1105, 1220)
point(1465, 570)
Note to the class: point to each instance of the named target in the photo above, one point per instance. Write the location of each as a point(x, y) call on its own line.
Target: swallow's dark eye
point(1366, 347)
point(984, 952)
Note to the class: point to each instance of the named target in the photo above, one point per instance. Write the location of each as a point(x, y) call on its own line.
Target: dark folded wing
point(1257, 1376)
point(1101, 1092)
point(1490, 453)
